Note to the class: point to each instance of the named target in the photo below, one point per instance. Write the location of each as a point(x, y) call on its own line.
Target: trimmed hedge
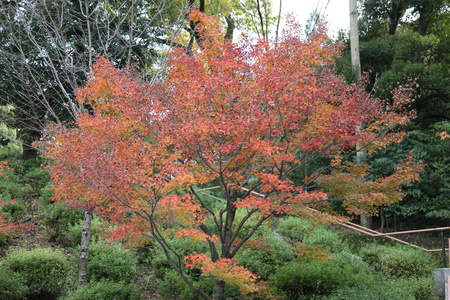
point(44, 271)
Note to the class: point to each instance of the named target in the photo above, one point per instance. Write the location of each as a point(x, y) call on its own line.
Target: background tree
point(241, 118)
point(402, 41)
point(47, 50)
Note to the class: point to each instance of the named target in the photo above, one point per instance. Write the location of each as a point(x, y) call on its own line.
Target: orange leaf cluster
point(197, 235)
point(360, 195)
point(224, 269)
point(3, 166)
point(443, 135)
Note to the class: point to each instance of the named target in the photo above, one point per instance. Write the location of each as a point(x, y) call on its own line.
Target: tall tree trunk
point(395, 16)
point(230, 28)
point(422, 29)
point(84, 255)
point(356, 67)
point(366, 221)
point(219, 290)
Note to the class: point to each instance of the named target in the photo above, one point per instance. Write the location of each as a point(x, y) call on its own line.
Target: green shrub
point(43, 270)
point(30, 173)
point(308, 280)
point(145, 254)
point(160, 264)
point(172, 286)
point(111, 263)
point(12, 286)
point(351, 263)
point(375, 289)
point(398, 261)
point(372, 254)
point(294, 228)
point(263, 259)
point(58, 219)
point(46, 193)
point(422, 288)
point(11, 189)
point(401, 261)
point(327, 239)
point(186, 246)
point(14, 211)
point(105, 290)
point(25, 177)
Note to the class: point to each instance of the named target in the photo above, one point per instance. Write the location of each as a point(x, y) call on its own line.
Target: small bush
point(273, 253)
point(160, 264)
point(308, 280)
point(12, 189)
point(58, 219)
point(111, 263)
point(294, 228)
point(327, 239)
point(46, 193)
point(397, 261)
point(172, 286)
point(105, 290)
point(29, 172)
point(186, 246)
point(14, 210)
point(12, 286)
point(351, 263)
point(24, 178)
point(43, 270)
point(308, 253)
point(422, 288)
point(401, 261)
point(372, 255)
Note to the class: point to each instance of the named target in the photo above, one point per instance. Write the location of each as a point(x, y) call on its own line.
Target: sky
point(337, 12)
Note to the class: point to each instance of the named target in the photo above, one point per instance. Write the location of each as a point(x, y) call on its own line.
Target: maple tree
point(240, 117)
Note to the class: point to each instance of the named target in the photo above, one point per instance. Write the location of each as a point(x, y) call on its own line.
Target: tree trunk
point(219, 290)
point(356, 67)
point(395, 15)
point(28, 151)
point(366, 221)
point(84, 255)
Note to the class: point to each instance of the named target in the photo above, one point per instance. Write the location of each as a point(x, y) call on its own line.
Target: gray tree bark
point(84, 255)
